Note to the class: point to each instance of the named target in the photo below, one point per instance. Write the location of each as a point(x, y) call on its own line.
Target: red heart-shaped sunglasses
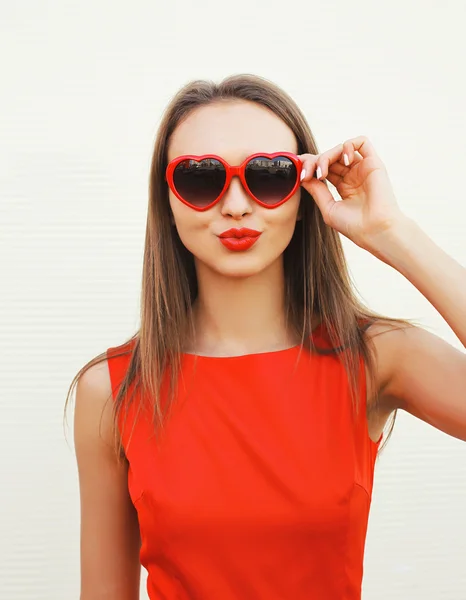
point(200, 181)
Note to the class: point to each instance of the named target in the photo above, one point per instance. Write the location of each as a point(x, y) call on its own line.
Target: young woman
point(249, 408)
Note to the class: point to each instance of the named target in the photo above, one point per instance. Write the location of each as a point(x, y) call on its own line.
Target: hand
point(368, 205)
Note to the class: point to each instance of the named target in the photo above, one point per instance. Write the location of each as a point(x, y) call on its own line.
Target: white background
point(83, 85)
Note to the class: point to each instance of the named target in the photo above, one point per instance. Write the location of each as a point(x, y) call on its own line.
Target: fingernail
point(303, 174)
point(319, 172)
point(346, 159)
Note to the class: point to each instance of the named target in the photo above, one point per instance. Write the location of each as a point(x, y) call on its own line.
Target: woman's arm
point(417, 371)
point(421, 374)
point(425, 375)
point(110, 542)
point(439, 278)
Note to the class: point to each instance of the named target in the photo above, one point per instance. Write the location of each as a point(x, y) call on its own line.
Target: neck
point(240, 315)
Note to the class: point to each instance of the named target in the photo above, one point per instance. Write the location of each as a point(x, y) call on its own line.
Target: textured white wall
point(83, 85)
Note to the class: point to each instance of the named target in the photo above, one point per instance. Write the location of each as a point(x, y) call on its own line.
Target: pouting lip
point(240, 233)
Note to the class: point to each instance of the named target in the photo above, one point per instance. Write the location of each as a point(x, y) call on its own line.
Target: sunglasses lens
point(199, 182)
point(271, 179)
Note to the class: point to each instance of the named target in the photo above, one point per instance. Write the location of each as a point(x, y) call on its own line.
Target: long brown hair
point(316, 274)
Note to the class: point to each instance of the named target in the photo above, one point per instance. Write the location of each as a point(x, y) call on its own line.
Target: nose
point(236, 202)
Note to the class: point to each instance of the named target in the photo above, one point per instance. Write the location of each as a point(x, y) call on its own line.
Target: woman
point(248, 409)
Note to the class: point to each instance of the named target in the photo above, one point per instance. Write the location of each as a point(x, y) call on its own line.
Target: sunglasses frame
point(230, 173)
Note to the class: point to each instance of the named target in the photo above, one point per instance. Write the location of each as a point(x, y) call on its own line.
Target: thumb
point(321, 195)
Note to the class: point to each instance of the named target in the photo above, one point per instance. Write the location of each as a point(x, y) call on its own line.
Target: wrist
point(396, 241)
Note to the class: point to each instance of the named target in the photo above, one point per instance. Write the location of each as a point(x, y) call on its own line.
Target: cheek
point(285, 216)
point(188, 222)
point(285, 222)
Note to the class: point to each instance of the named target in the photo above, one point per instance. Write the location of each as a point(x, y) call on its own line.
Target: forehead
point(233, 130)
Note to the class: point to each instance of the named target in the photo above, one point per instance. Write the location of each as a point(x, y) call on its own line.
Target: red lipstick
point(239, 239)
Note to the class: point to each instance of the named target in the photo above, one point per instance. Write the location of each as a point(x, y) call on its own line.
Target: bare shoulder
point(386, 339)
point(422, 374)
point(398, 348)
point(394, 345)
point(94, 405)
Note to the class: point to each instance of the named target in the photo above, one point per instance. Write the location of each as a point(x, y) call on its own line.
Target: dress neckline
point(316, 333)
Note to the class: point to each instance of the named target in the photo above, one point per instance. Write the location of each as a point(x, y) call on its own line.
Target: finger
point(362, 145)
point(321, 195)
point(326, 159)
point(334, 179)
point(338, 169)
point(347, 156)
point(306, 156)
point(308, 166)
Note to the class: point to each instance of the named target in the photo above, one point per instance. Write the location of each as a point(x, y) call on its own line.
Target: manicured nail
point(303, 174)
point(346, 159)
point(319, 173)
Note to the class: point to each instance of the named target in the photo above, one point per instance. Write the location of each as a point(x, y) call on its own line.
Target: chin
point(238, 272)
point(240, 265)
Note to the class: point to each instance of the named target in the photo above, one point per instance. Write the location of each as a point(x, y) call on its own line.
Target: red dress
point(259, 487)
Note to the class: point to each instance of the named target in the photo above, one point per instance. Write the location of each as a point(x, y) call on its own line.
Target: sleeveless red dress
point(259, 487)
